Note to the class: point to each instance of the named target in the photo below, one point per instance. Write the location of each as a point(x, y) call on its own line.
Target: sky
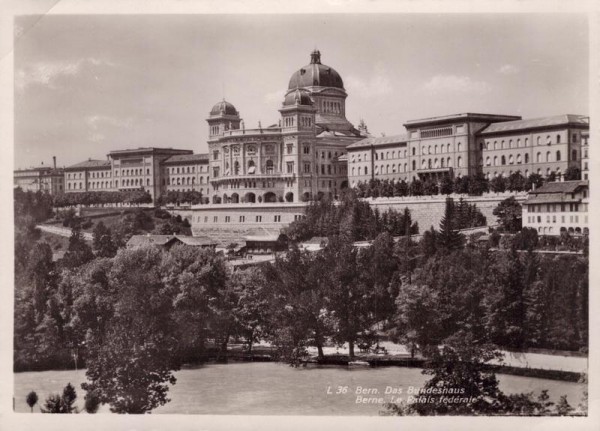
point(89, 84)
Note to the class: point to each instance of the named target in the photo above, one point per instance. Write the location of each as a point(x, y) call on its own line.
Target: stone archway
point(269, 197)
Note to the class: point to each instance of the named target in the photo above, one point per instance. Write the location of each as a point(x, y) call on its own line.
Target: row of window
point(184, 170)
point(552, 208)
point(182, 181)
point(503, 144)
point(242, 219)
point(553, 219)
point(498, 161)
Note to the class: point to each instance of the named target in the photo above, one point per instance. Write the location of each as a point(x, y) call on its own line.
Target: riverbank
point(526, 364)
point(273, 388)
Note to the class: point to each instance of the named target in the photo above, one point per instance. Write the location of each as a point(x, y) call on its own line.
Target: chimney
point(54, 161)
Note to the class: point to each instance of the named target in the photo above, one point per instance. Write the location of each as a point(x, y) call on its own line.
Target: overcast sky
point(86, 85)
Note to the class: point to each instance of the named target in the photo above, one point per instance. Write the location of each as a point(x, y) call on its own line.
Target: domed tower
point(223, 117)
point(326, 88)
point(298, 131)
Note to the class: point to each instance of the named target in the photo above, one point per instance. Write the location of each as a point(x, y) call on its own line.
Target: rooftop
point(90, 164)
point(467, 116)
point(141, 240)
point(559, 187)
point(556, 120)
point(186, 158)
point(375, 142)
point(159, 150)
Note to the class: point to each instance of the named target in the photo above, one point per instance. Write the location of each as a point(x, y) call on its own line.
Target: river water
point(276, 389)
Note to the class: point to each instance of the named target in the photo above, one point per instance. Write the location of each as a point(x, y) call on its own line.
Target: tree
point(458, 370)
point(446, 185)
point(102, 241)
point(56, 403)
point(509, 214)
point(32, 399)
point(534, 181)
point(130, 365)
point(498, 184)
point(92, 403)
point(478, 184)
point(78, 252)
point(250, 311)
point(516, 182)
point(449, 238)
point(573, 173)
point(416, 322)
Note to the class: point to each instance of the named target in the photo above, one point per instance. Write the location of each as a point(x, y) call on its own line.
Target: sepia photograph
point(368, 215)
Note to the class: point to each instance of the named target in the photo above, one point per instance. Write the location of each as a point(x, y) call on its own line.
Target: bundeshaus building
point(297, 159)
point(313, 151)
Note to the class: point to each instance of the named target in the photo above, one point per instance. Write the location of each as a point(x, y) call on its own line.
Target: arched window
point(558, 154)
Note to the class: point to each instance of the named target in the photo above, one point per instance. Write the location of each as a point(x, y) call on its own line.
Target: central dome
point(316, 75)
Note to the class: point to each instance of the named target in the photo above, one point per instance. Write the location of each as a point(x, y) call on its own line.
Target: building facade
point(44, 179)
point(295, 160)
point(467, 144)
point(558, 207)
point(540, 146)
